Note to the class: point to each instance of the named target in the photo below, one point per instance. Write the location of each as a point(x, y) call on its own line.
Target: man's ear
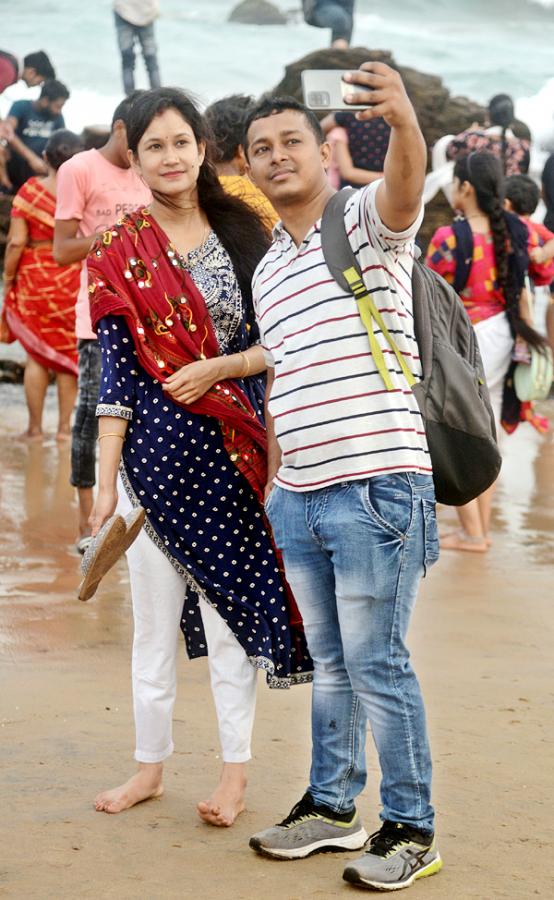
point(133, 162)
point(240, 160)
point(325, 153)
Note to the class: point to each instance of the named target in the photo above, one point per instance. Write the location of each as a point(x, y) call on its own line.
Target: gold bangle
point(111, 434)
point(246, 369)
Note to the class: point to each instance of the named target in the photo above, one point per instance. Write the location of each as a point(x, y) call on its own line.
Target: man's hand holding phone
point(380, 89)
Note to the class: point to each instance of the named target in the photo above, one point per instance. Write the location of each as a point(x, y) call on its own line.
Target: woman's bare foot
point(63, 434)
point(143, 785)
point(227, 801)
point(460, 540)
point(32, 434)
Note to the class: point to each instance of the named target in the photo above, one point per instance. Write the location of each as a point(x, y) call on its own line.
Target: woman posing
point(485, 256)
point(39, 304)
point(179, 413)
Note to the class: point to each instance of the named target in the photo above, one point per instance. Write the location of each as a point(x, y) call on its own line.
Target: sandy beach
point(482, 643)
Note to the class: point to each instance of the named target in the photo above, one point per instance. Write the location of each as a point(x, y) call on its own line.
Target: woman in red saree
point(39, 295)
point(180, 417)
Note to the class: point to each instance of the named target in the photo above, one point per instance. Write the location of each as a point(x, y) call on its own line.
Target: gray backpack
point(452, 395)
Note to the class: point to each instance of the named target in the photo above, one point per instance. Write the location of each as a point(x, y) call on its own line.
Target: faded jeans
point(354, 554)
point(338, 15)
point(85, 425)
point(127, 34)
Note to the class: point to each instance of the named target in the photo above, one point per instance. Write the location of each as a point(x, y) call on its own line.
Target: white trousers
point(496, 345)
point(158, 593)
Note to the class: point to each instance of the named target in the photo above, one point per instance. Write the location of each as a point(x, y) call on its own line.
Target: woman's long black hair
point(237, 226)
point(501, 113)
point(484, 172)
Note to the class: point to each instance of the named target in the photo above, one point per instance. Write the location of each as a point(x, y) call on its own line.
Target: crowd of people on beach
point(231, 388)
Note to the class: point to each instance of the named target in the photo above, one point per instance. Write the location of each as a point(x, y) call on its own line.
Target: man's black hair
point(523, 194)
point(54, 90)
point(271, 106)
point(40, 62)
point(226, 119)
point(122, 110)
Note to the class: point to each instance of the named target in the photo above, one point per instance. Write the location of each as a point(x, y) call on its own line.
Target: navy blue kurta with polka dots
point(201, 511)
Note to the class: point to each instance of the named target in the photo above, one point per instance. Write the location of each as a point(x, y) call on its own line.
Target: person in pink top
point(95, 189)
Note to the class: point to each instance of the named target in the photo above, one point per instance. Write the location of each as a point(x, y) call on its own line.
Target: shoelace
point(389, 836)
point(303, 808)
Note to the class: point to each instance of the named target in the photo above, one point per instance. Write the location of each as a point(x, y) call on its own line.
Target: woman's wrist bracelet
point(246, 368)
point(111, 434)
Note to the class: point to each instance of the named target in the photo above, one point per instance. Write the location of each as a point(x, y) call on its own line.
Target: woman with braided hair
point(484, 255)
point(496, 138)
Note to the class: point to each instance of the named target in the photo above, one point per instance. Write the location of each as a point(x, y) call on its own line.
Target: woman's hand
point(193, 380)
point(104, 507)
point(538, 255)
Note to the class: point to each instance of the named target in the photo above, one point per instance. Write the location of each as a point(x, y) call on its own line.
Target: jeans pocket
point(388, 500)
point(431, 534)
point(268, 502)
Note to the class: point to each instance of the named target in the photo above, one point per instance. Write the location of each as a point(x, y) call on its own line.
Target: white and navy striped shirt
point(334, 418)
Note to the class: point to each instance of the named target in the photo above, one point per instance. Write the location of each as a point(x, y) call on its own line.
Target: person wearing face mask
point(180, 418)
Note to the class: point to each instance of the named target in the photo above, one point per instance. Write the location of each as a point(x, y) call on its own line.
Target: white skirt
point(496, 345)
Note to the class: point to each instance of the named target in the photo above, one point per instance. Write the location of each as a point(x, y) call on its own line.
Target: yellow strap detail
point(369, 313)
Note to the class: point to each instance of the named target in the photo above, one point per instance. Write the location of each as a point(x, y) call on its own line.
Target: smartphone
point(325, 90)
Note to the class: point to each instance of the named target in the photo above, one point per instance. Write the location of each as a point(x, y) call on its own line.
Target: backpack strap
point(463, 253)
point(343, 266)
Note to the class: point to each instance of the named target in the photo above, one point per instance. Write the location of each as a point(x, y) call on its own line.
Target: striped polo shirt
point(334, 418)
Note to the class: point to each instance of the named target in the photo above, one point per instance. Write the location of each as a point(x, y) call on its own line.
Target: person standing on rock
point(350, 493)
point(338, 15)
point(134, 21)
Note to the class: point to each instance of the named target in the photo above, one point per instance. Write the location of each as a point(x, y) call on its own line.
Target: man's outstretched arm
point(399, 195)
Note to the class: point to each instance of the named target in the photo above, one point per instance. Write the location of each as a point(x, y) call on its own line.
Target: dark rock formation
point(257, 12)
point(438, 112)
point(11, 372)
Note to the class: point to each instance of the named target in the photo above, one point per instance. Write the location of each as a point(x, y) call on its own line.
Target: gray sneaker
point(310, 829)
point(397, 856)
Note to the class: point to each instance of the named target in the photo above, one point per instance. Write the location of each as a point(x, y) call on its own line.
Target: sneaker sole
point(352, 875)
point(349, 842)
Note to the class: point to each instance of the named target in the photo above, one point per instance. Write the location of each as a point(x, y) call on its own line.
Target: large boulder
point(438, 111)
point(257, 12)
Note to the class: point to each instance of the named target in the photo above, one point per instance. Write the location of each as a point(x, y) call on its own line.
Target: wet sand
point(482, 643)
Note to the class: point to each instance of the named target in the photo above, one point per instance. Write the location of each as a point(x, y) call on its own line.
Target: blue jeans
point(127, 35)
point(85, 425)
point(354, 554)
point(338, 15)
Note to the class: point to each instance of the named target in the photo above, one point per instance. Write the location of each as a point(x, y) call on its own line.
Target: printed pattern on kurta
point(200, 509)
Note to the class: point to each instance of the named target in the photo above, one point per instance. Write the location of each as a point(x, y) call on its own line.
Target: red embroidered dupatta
point(135, 272)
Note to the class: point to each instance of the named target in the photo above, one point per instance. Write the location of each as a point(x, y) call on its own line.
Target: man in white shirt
point(350, 494)
point(134, 21)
